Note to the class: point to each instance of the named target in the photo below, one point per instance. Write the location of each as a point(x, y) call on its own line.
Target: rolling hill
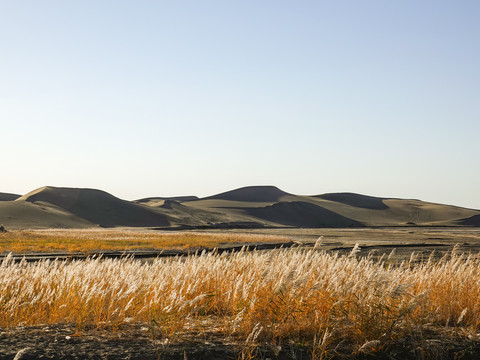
point(251, 194)
point(253, 206)
point(8, 197)
point(25, 215)
point(96, 206)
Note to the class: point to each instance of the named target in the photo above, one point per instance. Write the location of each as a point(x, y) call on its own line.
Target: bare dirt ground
point(378, 241)
point(135, 342)
point(62, 342)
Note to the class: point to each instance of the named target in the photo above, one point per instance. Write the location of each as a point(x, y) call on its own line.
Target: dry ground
point(405, 240)
point(135, 343)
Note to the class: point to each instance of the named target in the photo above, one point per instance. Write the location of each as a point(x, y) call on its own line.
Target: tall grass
point(305, 296)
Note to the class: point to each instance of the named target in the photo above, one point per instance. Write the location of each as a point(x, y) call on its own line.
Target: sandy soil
point(62, 342)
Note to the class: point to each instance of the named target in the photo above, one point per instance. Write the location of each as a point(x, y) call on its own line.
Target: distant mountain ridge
point(253, 206)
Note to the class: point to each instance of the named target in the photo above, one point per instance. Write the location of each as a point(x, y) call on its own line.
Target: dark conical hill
point(251, 194)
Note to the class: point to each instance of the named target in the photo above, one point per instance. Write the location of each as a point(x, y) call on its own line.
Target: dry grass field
point(332, 299)
point(97, 240)
point(333, 304)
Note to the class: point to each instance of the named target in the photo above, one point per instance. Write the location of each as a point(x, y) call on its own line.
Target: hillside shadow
point(356, 200)
point(301, 214)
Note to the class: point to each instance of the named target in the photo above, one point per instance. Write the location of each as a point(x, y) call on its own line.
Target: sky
point(164, 98)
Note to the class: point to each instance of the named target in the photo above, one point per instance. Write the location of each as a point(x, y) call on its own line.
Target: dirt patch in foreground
point(132, 342)
point(135, 342)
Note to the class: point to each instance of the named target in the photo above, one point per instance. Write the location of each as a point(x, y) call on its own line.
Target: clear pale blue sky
point(160, 98)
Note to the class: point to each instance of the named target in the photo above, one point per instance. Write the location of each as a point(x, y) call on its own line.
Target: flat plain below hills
point(248, 207)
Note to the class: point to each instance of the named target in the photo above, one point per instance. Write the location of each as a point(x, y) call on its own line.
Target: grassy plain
point(422, 240)
point(94, 240)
